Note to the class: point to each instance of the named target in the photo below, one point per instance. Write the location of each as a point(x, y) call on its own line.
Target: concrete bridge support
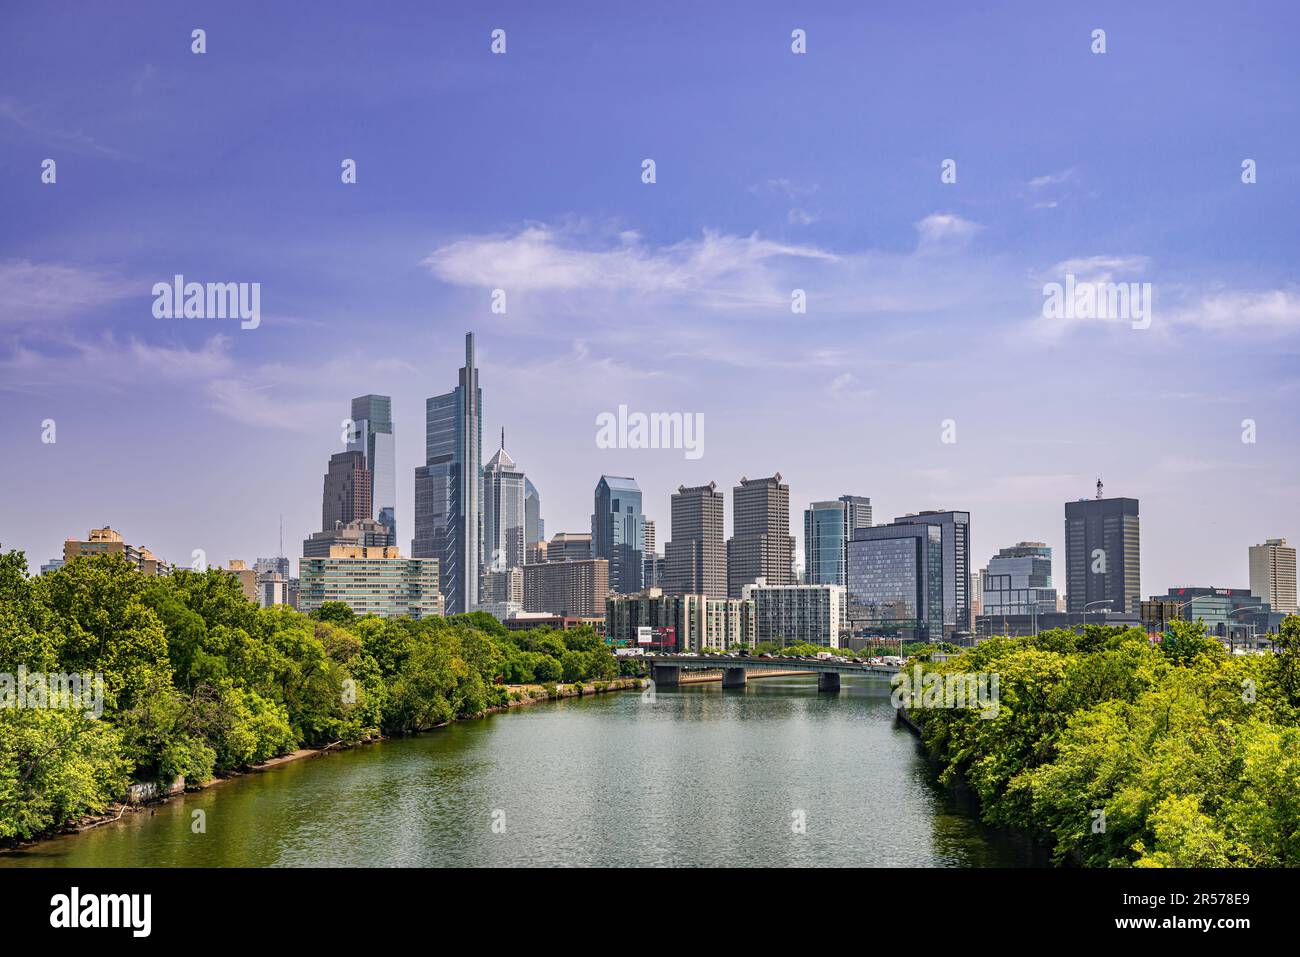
point(666, 676)
point(828, 681)
point(733, 677)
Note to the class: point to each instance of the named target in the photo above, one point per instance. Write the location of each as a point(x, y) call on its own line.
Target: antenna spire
point(503, 436)
point(1099, 489)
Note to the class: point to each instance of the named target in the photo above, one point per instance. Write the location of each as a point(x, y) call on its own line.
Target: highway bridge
point(666, 670)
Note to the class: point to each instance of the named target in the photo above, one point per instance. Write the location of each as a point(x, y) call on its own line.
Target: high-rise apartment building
point(372, 419)
point(797, 614)
point(371, 581)
point(679, 622)
point(346, 497)
point(574, 588)
point(569, 547)
point(761, 547)
point(1103, 555)
point(364, 533)
point(1272, 575)
point(618, 531)
point(449, 487)
point(695, 557)
point(828, 528)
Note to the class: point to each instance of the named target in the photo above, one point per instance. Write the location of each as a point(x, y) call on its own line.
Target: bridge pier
point(733, 677)
point(828, 681)
point(666, 676)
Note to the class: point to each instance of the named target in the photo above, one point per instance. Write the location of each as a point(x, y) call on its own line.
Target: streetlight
point(1231, 644)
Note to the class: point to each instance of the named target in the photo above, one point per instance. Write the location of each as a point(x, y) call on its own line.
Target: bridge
point(666, 670)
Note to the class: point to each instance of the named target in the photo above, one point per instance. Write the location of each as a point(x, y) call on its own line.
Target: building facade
point(346, 494)
point(695, 557)
point(1103, 555)
point(534, 525)
point(1018, 581)
point(798, 614)
point(1272, 574)
point(618, 531)
point(504, 511)
point(895, 581)
point(573, 588)
point(109, 541)
point(956, 564)
point(568, 547)
point(679, 622)
point(372, 430)
point(828, 528)
point(371, 581)
point(449, 487)
point(761, 547)
point(364, 532)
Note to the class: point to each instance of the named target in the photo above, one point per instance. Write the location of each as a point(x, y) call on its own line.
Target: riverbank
point(519, 696)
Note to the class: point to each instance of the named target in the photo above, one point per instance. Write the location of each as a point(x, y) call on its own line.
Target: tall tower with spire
point(449, 487)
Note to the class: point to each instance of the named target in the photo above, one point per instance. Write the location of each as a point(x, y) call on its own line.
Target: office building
point(575, 587)
point(246, 577)
point(695, 557)
point(449, 487)
point(501, 591)
point(372, 417)
point(828, 528)
point(1102, 554)
point(534, 526)
point(504, 511)
point(371, 581)
point(108, 541)
point(761, 548)
point(895, 581)
point(346, 496)
point(1272, 575)
point(1230, 613)
point(1018, 581)
point(618, 531)
point(272, 589)
point(798, 614)
point(956, 564)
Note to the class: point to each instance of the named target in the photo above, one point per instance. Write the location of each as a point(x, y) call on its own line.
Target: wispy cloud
point(37, 291)
point(945, 230)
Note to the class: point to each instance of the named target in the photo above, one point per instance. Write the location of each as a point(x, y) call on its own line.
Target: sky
point(923, 373)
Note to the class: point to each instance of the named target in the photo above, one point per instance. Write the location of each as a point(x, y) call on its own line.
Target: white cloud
point(38, 291)
point(945, 230)
point(1052, 179)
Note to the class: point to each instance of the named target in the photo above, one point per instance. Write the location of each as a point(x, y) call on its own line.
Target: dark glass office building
point(1103, 554)
point(894, 585)
point(449, 487)
point(618, 531)
point(955, 527)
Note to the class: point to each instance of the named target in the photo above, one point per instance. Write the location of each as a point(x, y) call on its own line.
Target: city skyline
point(923, 297)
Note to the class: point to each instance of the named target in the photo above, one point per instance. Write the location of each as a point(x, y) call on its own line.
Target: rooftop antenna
point(503, 436)
point(1099, 489)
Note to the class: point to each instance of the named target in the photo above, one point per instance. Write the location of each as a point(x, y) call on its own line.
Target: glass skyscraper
point(534, 525)
point(449, 487)
point(504, 514)
point(828, 528)
point(618, 531)
point(895, 581)
point(373, 419)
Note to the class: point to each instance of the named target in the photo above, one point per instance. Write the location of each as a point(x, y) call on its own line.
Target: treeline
point(1115, 752)
point(199, 681)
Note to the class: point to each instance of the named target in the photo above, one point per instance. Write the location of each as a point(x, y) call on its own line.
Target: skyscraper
point(449, 487)
point(1102, 554)
point(618, 531)
point(896, 580)
point(346, 496)
point(1272, 575)
point(534, 526)
point(503, 511)
point(695, 557)
point(761, 546)
point(956, 564)
point(828, 528)
point(372, 416)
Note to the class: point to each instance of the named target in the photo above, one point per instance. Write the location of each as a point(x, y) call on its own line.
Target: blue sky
point(775, 171)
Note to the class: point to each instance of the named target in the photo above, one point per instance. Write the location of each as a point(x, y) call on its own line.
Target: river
point(695, 777)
